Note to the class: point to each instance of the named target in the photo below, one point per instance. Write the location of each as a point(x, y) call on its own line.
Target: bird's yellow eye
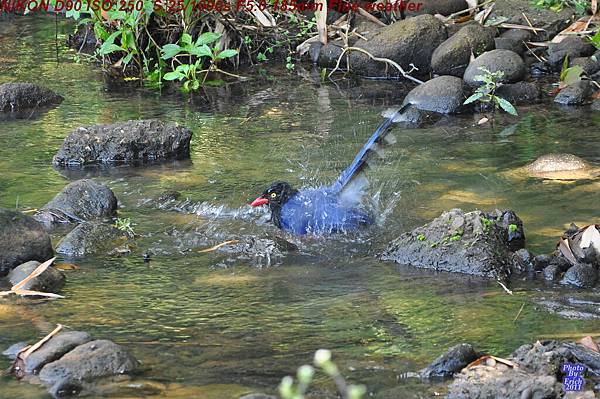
point(273, 195)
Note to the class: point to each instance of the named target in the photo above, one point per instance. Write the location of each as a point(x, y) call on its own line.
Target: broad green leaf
point(173, 75)
point(127, 58)
point(507, 106)
point(183, 68)
point(207, 38)
point(100, 32)
point(476, 96)
point(202, 51)
point(227, 54)
point(170, 51)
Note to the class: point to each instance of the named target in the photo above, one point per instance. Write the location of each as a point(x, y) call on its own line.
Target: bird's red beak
point(259, 201)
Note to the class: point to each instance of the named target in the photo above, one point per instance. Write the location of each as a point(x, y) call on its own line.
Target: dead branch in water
point(212, 249)
point(386, 60)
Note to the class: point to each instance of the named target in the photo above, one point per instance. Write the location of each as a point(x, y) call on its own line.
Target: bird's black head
point(275, 196)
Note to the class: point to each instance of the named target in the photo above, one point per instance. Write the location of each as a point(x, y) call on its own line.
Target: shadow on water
point(212, 328)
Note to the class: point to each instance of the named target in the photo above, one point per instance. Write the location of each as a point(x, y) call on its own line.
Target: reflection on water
point(206, 330)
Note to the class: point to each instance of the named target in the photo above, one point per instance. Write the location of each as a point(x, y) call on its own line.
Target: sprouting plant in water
point(512, 228)
point(570, 75)
point(421, 237)
point(486, 93)
point(125, 225)
point(191, 57)
point(288, 389)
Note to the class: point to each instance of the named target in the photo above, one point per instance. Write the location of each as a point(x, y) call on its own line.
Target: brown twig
point(519, 313)
point(386, 60)
point(212, 249)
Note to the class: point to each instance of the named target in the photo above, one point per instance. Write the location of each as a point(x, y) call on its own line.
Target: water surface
point(213, 329)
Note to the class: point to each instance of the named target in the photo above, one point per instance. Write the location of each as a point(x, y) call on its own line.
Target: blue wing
point(319, 211)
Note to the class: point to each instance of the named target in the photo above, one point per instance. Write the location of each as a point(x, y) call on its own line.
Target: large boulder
point(571, 46)
point(409, 41)
point(20, 99)
point(126, 142)
point(79, 201)
point(453, 55)
point(520, 93)
point(443, 94)
point(88, 361)
point(506, 61)
point(575, 93)
point(476, 243)
point(22, 239)
point(88, 238)
point(51, 280)
point(54, 349)
point(513, 39)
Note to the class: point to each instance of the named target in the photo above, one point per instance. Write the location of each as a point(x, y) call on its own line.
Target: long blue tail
point(361, 158)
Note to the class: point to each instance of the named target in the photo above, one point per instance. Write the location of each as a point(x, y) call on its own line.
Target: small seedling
point(486, 93)
point(421, 237)
point(125, 225)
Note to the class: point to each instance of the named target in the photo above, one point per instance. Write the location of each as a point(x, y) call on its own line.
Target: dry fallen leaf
point(590, 236)
point(490, 360)
point(589, 343)
point(565, 250)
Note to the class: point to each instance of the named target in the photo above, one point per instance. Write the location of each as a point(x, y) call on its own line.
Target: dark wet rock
point(500, 381)
point(51, 280)
point(88, 361)
point(556, 162)
point(412, 40)
point(497, 60)
point(83, 40)
point(21, 99)
point(79, 201)
point(329, 54)
point(451, 362)
point(313, 51)
point(596, 105)
point(552, 272)
point(433, 7)
point(513, 227)
point(126, 142)
point(572, 46)
point(541, 261)
point(22, 239)
point(513, 40)
point(473, 243)
point(590, 65)
point(581, 275)
point(12, 351)
point(54, 349)
point(66, 389)
point(89, 238)
point(258, 396)
point(443, 94)
point(414, 117)
point(520, 93)
point(522, 261)
point(574, 94)
point(453, 56)
point(537, 375)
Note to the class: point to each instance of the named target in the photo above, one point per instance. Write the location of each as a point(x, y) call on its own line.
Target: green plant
point(195, 53)
point(487, 223)
point(570, 75)
point(125, 225)
point(595, 40)
point(457, 236)
point(580, 6)
point(305, 374)
point(512, 228)
point(421, 237)
point(289, 65)
point(486, 93)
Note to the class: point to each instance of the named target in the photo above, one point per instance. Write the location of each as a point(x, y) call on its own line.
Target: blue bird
point(329, 209)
